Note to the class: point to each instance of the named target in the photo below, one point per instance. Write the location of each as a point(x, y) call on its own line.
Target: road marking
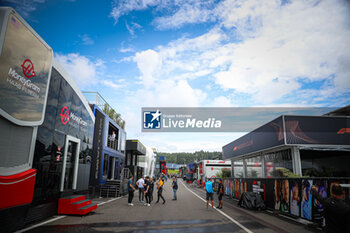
point(40, 224)
point(59, 217)
point(220, 211)
point(102, 203)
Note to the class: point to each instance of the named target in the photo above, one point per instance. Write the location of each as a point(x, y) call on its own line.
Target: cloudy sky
point(191, 53)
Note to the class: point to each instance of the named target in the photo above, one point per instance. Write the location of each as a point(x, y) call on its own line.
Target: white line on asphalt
point(102, 203)
point(59, 217)
point(40, 224)
point(220, 211)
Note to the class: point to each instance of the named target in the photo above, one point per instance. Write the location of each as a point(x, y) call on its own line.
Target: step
point(82, 203)
point(70, 203)
point(87, 209)
point(77, 208)
point(72, 199)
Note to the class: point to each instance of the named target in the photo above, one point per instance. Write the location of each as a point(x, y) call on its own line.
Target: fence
point(289, 196)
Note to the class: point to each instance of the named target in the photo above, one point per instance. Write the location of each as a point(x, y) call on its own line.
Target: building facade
point(289, 146)
point(109, 149)
point(46, 127)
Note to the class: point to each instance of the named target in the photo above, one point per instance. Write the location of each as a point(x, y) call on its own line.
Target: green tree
point(223, 173)
point(116, 117)
point(186, 158)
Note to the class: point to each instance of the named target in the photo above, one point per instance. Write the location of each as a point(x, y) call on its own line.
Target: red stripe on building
point(17, 189)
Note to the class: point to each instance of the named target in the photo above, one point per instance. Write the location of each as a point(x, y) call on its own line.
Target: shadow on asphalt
point(143, 226)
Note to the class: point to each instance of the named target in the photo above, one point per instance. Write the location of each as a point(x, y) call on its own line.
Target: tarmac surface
point(187, 214)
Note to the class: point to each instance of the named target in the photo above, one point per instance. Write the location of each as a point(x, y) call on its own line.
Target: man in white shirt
point(140, 183)
point(112, 139)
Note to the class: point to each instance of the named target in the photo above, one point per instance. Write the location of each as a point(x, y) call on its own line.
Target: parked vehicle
point(210, 168)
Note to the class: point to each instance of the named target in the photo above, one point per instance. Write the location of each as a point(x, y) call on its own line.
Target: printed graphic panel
point(24, 74)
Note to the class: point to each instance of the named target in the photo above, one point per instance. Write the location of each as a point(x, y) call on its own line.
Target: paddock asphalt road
point(187, 214)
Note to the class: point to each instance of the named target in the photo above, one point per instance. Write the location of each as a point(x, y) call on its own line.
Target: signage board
point(25, 65)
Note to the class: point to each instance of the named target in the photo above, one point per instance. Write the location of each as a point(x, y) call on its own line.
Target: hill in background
point(186, 158)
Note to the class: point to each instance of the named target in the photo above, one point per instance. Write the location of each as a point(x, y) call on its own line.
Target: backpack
point(175, 185)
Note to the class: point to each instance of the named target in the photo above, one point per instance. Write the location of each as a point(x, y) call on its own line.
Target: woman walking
point(160, 190)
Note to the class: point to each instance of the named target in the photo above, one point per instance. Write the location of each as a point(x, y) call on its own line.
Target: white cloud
point(79, 67)
point(221, 101)
point(279, 44)
point(269, 53)
point(148, 62)
point(88, 73)
point(187, 12)
point(24, 7)
point(132, 28)
point(123, 7)
point(191, 143)
point(126, 50)
point(124, 59)
point(109, 83)
point(299, 39)
point(168, 93)
point(181, 11)
point(86, 40)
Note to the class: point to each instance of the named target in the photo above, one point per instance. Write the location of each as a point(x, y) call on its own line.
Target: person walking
point(175, 186)
point(220, 194)
point(131, 190)
point(151, 188)
point(147, 191)
point(210, 192)
point(160, 190)
point(140, 184)
point(337, 212)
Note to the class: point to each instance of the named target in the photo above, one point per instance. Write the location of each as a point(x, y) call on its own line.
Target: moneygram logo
point(152, 119)
point(28, 68)
point(64, 115)
point(74, 120)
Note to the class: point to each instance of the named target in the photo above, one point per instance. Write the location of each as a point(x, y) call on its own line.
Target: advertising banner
point(306, 203)
point(97, 149)
point(292, 130)
point(317, 130)
point(294, 197)
point(290, 196)
point(25, 64)
point(266, 136)
point(317, 208)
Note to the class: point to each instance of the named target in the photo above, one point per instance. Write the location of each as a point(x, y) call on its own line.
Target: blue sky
point(190, 53)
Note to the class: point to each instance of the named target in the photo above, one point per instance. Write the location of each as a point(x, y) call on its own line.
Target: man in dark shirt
point(147, 186)
point(131, 190)
point(151, 188)
point(220, 194)
point(174, 185)
point(337, 213)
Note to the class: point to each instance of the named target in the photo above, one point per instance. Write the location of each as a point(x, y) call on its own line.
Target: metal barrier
point(112, 143)
point(289, 196)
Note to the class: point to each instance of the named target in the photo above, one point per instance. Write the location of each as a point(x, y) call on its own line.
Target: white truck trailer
point(210, 169)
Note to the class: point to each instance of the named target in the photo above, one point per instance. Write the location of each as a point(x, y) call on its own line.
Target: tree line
point(186, 158)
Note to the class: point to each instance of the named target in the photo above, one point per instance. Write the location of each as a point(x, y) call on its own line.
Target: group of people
point(209, 188)
point(146, 187)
